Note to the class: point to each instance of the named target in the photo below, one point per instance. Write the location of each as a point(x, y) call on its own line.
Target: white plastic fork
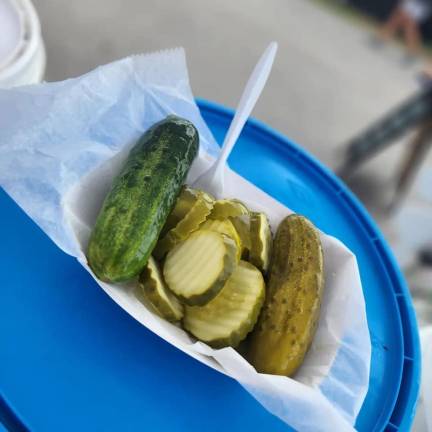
point(212, 180)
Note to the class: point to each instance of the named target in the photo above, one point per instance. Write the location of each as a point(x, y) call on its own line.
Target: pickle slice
point(290, 314)
point(242, 226)
point(188, 224)
point(224, 227)
point(185, 201)
point(196, 269)
point(226, 208)
point(229, 317)
point(156, 292)
point(261, 241)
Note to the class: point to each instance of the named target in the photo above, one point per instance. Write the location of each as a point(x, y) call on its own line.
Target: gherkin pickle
point(290, 314)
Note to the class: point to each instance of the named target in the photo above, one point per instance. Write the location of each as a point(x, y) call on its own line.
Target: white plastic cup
point(22, 51)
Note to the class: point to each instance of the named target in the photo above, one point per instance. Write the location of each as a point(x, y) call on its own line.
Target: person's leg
point(412, 34)
point(392, 25)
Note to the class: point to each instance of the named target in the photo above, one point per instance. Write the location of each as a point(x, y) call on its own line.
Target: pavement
point(327, 83)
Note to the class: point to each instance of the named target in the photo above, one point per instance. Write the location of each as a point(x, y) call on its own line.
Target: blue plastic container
point(71, 359)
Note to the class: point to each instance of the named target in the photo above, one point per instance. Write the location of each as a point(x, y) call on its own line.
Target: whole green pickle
point(140, 200)
point(290, 314)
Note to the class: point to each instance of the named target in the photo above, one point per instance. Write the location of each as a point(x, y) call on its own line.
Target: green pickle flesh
point(261, 241)
point(196, 269)
point(242, 225)
point(226, 208)
point(185, 201)
point(224, 227)
point(197, 214)
point(156, 292)
point(231, 315)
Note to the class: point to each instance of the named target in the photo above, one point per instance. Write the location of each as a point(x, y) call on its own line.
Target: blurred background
point(351, 84)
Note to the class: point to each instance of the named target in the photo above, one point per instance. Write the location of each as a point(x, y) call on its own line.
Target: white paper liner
point(60, 146)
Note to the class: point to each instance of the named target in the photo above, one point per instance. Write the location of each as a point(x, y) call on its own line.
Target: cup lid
point(20, 35)
point(12, 25)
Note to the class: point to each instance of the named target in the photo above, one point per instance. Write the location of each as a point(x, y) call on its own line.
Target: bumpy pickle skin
point(291, 311)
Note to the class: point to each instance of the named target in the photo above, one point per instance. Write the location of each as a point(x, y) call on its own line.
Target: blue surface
point(71, 359)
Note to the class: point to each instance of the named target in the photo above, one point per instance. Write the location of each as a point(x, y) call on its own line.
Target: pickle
point(226, 208)
point(224, 227)
point(230, 316)
point(290, 314)
point(197, 268)
point(156, 292)
point(261, 241)
point(185, 201)
point(242, 226)
point(188, 224)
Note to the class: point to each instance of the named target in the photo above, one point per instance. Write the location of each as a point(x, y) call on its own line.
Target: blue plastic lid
point(71, 359)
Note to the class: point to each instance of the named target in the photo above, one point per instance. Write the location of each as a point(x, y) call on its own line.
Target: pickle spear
point(290, 314)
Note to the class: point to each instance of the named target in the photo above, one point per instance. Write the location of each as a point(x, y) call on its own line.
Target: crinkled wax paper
point(60, 146)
